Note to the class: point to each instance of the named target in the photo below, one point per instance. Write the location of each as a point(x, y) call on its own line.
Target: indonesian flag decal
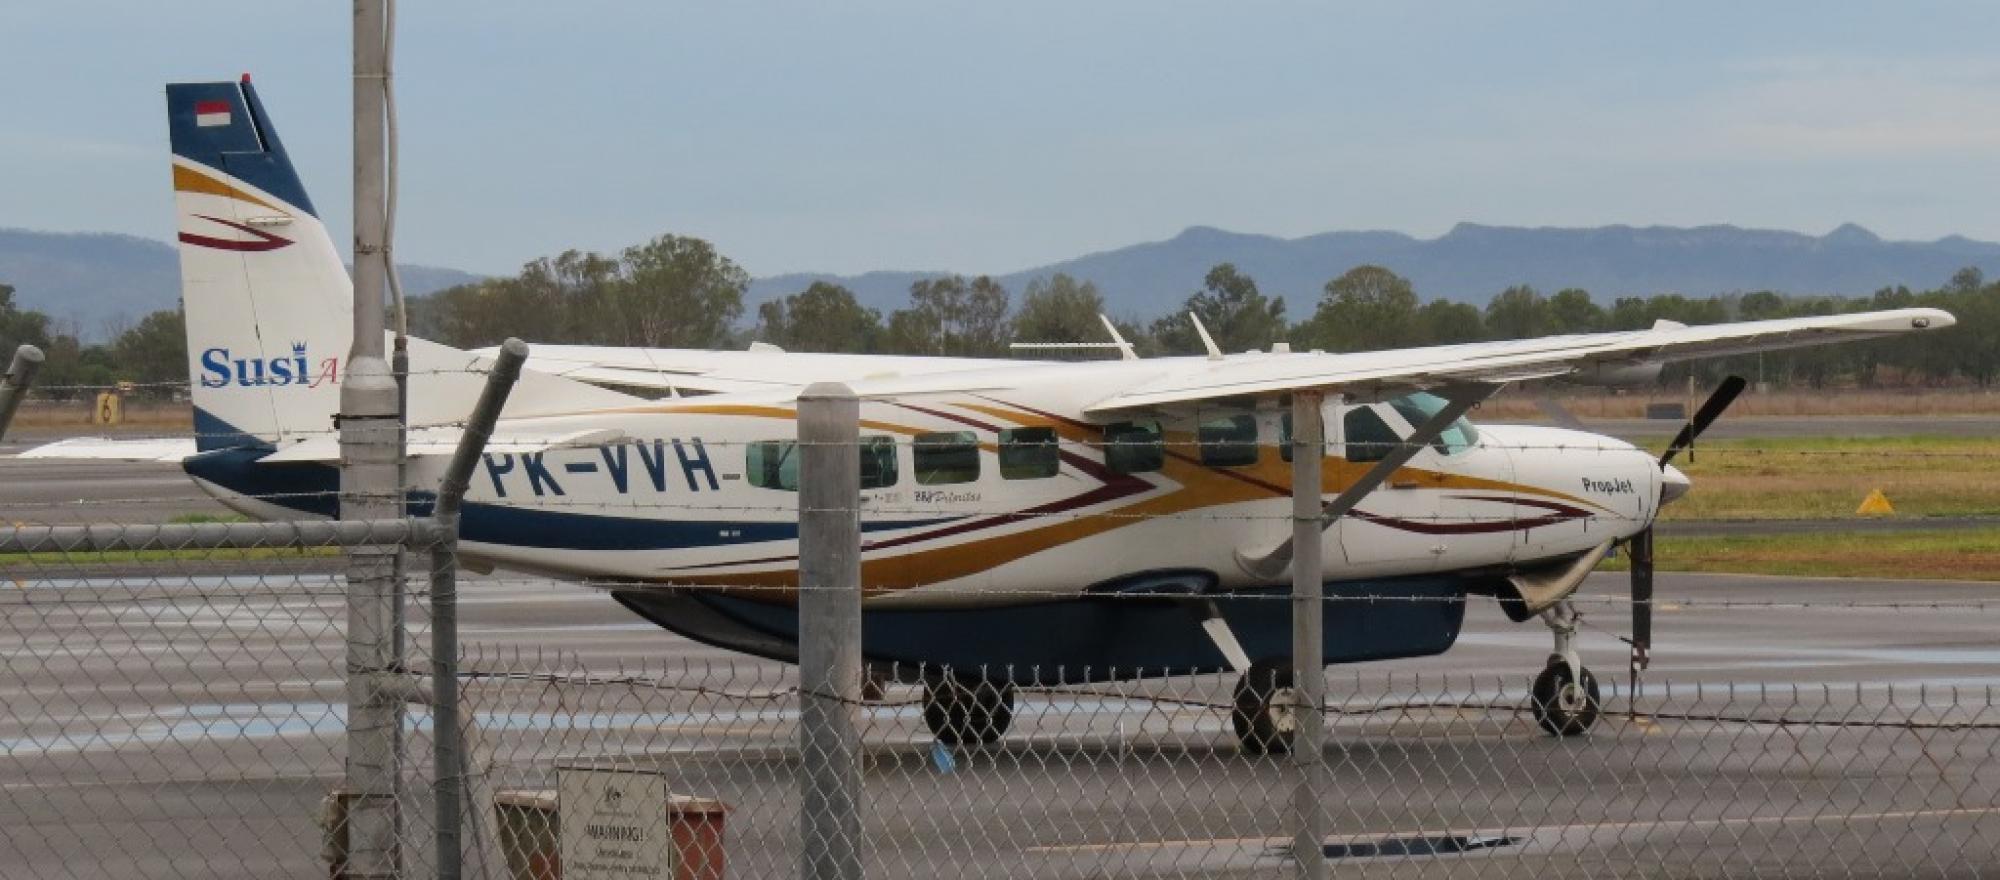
point(211, 113)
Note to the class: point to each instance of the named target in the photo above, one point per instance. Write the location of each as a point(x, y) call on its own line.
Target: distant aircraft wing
point(167, 449)
point(1495, 362)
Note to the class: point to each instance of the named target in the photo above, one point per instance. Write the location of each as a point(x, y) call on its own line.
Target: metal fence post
point(1308, 650)
point(445, 729)
point(829, 632)
point(371, 446)
point(14, 386)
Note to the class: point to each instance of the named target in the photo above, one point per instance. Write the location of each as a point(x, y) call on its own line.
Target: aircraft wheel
point(1564, 706)
point(963, 712)
point(1264, 716)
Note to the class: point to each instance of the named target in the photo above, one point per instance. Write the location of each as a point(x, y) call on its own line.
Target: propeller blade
point(1639, 554)
point(1711, 409)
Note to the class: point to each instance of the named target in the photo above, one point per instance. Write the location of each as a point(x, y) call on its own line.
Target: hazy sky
point(992, 137)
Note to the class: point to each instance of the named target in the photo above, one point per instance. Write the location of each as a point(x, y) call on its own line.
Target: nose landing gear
point(1565, 696)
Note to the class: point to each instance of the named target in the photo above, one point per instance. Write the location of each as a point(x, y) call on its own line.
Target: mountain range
point(96, 282)
point(1472, 262)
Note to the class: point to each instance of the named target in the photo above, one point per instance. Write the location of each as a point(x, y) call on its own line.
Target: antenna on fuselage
point(1207, 341)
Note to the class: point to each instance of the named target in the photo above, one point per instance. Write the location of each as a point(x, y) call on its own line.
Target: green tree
point(1230, 306)
point(1571, 311)
point(1061, 309)
point(949, 315)
point(672, 292)
point(1367, 308)
point(1761, 305)
point(1445, 322)
point(155, 350)
point(18, 326)
point(1519, 312)
point(823, 317)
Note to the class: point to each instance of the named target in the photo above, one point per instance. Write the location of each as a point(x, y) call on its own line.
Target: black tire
point(966, 712)
point(1561, 714)
point(1264, 725)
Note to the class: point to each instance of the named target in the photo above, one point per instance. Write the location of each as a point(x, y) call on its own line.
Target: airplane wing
point(762, 368)
point(167, 449)
point(1497, 362)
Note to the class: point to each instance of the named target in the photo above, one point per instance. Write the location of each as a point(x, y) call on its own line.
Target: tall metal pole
point(445, 730)
point(371, 445)
point(829, 632)
point(14, 386)
point(1308, 649)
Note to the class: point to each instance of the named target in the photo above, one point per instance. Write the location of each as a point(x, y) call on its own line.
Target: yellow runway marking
point(1660, 824)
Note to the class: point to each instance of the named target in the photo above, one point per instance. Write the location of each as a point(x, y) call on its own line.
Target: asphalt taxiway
point(160, 729)
point(161, 725)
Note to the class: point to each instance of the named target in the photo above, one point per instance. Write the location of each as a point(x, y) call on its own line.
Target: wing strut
point(1459, 400)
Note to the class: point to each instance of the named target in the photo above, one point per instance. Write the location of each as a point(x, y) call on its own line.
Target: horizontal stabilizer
point(167, 449)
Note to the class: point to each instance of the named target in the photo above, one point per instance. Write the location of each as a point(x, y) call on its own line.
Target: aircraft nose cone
point(1673, 484)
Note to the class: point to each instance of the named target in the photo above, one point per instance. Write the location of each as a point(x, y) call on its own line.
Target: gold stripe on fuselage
point(1199, 487)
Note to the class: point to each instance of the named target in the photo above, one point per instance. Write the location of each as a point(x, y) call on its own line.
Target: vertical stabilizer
point(269, 304)
point(264, 290)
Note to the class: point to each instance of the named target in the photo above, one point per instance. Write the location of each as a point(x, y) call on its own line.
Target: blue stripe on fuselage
point(313, 488)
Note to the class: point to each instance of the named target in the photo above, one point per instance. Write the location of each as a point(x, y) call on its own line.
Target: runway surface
point(160, 729)
point(167, 726)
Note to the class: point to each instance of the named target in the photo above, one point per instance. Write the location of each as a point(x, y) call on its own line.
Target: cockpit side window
point(1367, 437)
point(1419, 407)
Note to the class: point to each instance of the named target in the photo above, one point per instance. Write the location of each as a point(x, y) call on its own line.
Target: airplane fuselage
point(1011, 496)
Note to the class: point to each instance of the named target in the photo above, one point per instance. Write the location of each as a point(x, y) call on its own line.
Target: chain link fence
point(177, 700)
point(1445, 775)
point(180, 713)
point(177, 706)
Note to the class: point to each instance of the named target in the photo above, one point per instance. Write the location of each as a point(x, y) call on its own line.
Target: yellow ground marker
point(1876, 504)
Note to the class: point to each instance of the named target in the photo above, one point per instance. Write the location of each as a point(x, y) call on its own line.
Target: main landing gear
point(1265, 712)
point(963, 711)
point(1565, 694)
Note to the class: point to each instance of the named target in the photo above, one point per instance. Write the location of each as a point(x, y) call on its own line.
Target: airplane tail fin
point(268, 301)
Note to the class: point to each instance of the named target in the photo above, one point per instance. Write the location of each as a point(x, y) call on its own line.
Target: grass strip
point(1955, 554)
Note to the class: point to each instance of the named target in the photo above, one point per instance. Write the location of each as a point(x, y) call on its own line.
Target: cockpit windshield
point(1418, 407)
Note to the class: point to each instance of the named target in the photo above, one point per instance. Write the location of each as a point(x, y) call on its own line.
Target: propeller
point(1639, 547)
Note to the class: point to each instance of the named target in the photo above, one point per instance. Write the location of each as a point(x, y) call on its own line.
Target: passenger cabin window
point(1419, 407)
point(1133, 447)
point(1028, 454)
point(1230, 441)
point(878, 462)
point(774, 464)
point(1367, 437)
point(946, 457)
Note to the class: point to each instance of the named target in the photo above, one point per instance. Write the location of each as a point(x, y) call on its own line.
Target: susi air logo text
point(219, 369)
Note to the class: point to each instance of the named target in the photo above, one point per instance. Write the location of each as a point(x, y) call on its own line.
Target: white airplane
point(1024, 522)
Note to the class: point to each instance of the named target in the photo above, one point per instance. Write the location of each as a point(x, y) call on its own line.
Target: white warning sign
point(614, 825)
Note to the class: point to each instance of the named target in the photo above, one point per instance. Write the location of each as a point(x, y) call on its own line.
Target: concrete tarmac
point(160, 729)
point(161, 725)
